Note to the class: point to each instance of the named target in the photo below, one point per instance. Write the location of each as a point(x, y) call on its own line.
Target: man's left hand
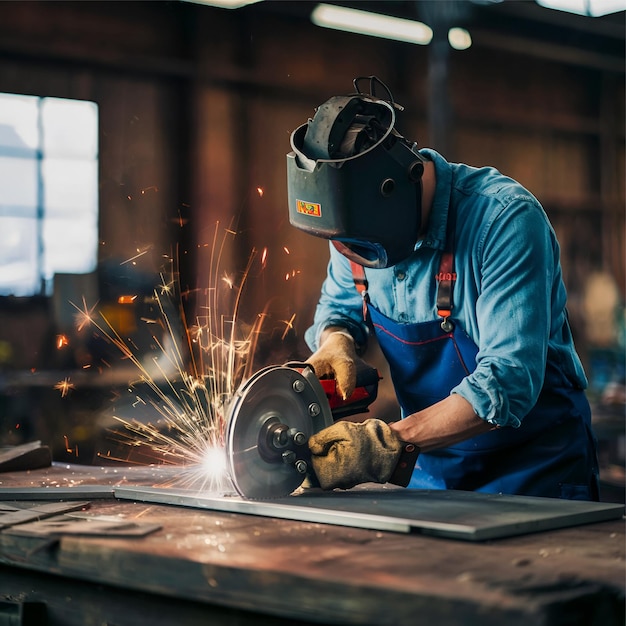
point(349, 453)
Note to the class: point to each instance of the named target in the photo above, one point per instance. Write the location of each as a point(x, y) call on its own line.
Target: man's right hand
point(336, 358)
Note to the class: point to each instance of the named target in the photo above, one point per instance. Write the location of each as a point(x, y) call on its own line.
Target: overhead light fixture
point(373, 24)
point(459, 38)
point(224, 4)
point(591, 8)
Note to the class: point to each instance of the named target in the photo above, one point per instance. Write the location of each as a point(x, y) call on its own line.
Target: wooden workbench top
point(317, 573)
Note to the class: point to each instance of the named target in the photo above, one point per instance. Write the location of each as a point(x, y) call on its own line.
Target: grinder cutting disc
point(270, 420)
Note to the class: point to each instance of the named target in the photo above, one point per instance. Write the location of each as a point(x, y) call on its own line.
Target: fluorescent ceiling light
point(375, 24)
point(459, 38)
point(592, 8)
point(224, 4)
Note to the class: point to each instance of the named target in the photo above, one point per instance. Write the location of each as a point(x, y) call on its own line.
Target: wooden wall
point(196, 108)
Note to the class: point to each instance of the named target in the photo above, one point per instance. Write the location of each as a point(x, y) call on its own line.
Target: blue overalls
point(553, 452)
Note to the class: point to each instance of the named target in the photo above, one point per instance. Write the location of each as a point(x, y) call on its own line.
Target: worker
point(456, 271)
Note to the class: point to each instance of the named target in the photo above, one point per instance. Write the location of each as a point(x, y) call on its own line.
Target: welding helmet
point(353, 179)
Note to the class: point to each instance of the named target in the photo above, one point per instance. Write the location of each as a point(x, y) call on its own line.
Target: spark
point(189, 382)
point(64, 386)
point(291, 274)
point(260, 191)
point(69, 449)
point(286, 249)
point(166, 287)
point(140, 253)
point(182, 220)
point(142, 513)
point(288, 325)
point(193, 372)
point(62, 341)
point(85, 316)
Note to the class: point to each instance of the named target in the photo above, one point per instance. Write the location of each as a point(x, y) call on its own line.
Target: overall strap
point(360, 282)
point(447, 276)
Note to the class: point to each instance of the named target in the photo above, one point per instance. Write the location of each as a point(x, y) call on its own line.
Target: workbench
point(219, 568)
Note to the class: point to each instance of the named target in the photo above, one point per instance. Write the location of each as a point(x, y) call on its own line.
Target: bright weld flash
point(214, 462)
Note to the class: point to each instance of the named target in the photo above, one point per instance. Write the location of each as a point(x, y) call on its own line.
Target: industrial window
point(48, 191)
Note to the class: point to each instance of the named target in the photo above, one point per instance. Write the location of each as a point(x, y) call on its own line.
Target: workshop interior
point(153, 292)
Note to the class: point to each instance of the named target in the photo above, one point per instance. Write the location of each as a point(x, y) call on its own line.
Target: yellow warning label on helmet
point(309, 208)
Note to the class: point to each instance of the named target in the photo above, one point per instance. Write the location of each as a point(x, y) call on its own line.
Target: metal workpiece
point(460, 515)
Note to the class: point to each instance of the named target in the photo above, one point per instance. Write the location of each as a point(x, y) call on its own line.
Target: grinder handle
point(365, 392)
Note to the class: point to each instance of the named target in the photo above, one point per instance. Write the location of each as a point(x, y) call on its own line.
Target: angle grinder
point(271, 417)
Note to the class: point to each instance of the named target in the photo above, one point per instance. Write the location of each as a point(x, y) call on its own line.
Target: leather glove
point(336, 358)
point(349, 453)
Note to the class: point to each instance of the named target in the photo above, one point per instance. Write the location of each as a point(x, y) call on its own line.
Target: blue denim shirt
point(509, 295)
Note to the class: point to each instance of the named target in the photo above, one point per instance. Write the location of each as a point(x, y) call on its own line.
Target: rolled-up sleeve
point(515, 263)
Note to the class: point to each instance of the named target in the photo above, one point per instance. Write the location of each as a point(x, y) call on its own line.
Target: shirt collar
point(436, 234)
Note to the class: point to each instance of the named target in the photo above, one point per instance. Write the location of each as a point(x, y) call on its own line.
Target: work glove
point(349, 453)
point(336, 358)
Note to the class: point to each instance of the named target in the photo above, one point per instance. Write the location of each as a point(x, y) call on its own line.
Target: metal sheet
point(63, 525)
point(80, 492)
point(24, 512)
point(453, 514)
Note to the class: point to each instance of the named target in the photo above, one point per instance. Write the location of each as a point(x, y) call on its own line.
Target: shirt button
point(400, 275)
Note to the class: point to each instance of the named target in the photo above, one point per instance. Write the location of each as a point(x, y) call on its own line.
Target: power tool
point(271, 417)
